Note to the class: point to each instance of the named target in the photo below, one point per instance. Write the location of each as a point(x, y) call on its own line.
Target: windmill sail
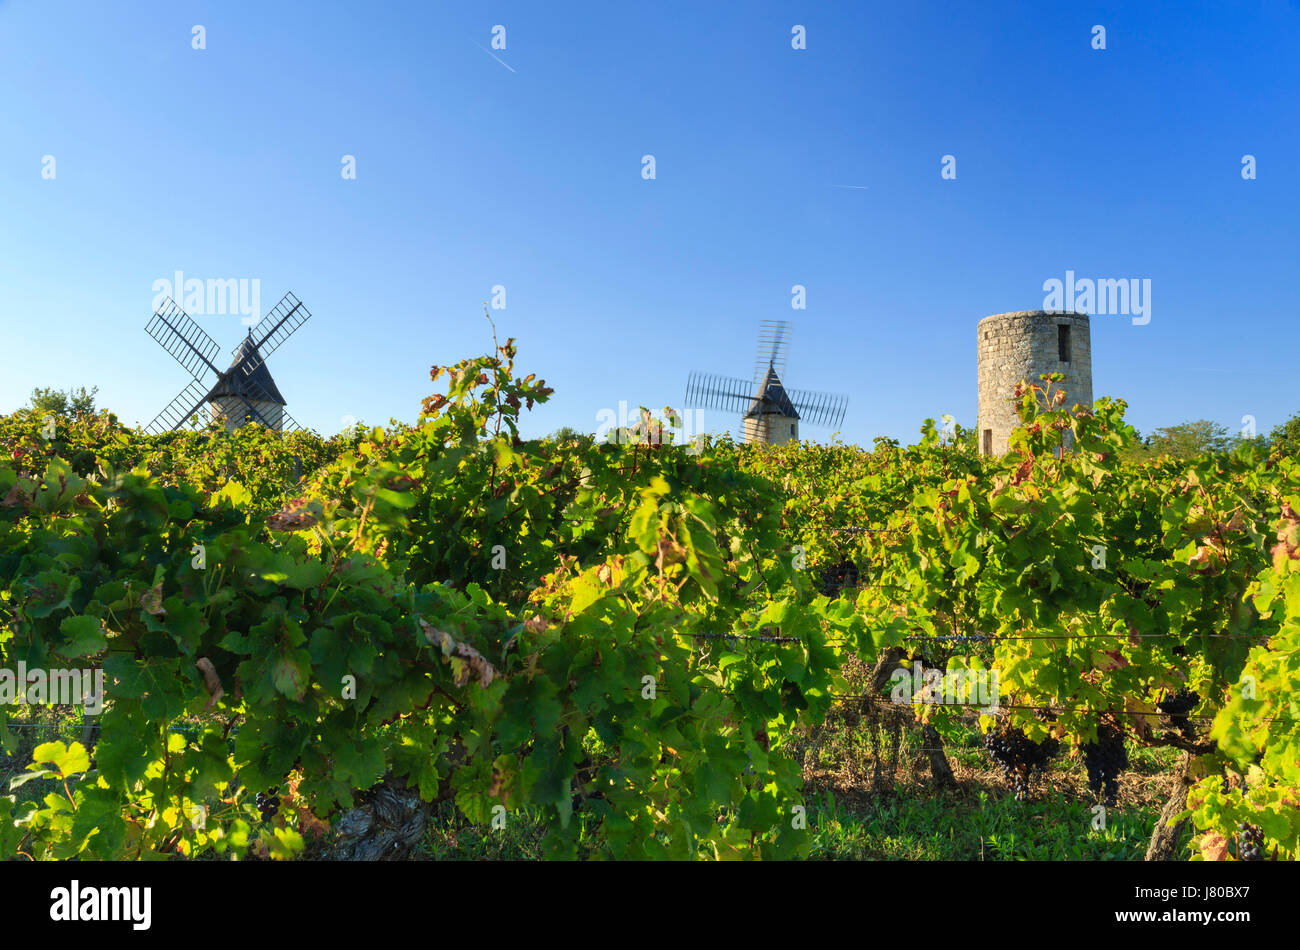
point(183, 339)
point(180, 410)
point(819, 409)
point(276, 327)
point(773, 340)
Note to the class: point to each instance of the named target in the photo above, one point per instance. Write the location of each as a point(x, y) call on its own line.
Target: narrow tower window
point(1063, 343)
point(988, 441)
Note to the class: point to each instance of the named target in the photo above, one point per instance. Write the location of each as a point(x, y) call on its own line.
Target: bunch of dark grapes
point(1251, 847)
point(1177, 707)
point(1104, 760)
point(1018, 755)
point(840, 577)
point(268, 803)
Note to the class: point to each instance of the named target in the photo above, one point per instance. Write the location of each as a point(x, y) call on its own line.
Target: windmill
point(245, 392)
point(771, 412)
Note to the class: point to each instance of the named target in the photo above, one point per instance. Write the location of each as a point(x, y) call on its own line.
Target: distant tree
point(966, 439)
point(64, 403)
point(1190, 439)
point(1286, 437)
point(1137, 452)
point(568, 433)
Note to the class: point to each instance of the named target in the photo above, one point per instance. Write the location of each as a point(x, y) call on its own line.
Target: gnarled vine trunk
point(940, 769)
point(1165, 837)
point(387, 827)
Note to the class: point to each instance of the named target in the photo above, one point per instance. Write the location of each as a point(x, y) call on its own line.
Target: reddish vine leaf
point(151, 601)
point(476, 663)
point(440, 638)
point(1214, 847)
point(295, 516)
point(211, 682)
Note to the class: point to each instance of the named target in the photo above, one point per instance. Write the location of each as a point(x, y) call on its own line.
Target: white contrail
point(857, 187)
point(497, 58)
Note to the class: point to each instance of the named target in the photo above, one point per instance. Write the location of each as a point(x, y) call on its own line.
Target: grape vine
point(626, 631)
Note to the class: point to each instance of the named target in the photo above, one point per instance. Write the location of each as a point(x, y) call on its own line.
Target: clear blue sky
point(225, 163)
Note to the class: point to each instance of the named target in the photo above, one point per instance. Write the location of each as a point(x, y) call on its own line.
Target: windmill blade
point(180, 410)
point(819, 409)
point(773, 339)
point(183, 339)
point(287, 422)
point(707, 391)
point(285, 317)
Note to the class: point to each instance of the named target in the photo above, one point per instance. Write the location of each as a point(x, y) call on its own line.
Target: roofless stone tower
point(1020, 346)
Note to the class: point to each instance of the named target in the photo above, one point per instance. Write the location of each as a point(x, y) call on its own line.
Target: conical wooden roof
point(771, 398)
point(257, 384)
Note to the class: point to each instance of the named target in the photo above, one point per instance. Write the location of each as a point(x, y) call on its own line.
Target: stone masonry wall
point(1015, 347)
point(230, 412)
point(771, 429)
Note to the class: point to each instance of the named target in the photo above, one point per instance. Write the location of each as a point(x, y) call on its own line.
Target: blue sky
point(524, 171)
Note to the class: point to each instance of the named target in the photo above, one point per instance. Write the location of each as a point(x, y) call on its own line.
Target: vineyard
point(318, 648)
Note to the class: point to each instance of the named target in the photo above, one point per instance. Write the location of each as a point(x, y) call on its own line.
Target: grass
point(951, 826)
point(452, 837)
point(871, 797)
point(986, 827)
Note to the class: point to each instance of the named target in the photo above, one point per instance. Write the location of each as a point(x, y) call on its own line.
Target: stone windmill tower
point(770, 412)
point(1020, 346)
point(247, 392)
point(771, 418)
